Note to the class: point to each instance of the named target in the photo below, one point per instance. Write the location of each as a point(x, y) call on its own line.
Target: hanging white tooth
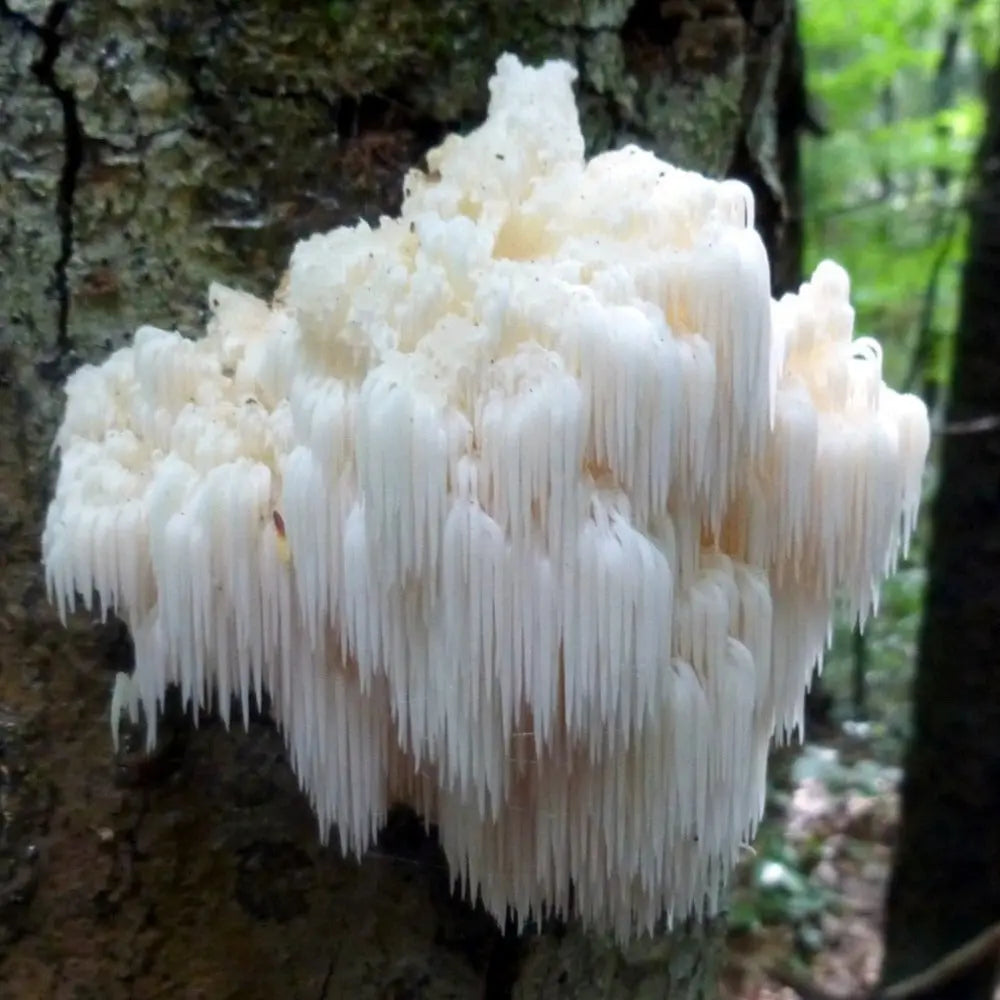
point(527, 507)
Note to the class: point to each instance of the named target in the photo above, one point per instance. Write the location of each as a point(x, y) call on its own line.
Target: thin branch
point(909, 201)
point(978, 425)
point(945, 969)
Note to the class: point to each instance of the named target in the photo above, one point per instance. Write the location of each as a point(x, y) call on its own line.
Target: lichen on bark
point(149, 148)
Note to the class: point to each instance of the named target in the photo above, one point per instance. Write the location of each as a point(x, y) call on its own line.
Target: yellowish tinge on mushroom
point(528, 507)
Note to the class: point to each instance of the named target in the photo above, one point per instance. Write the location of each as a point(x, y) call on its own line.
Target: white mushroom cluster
point(528, 507)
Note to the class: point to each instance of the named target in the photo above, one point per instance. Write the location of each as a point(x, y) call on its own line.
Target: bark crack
point(325, 985)
point(44, 69)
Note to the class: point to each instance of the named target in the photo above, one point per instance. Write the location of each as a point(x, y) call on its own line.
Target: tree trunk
point(946, 883)
point(148, 148)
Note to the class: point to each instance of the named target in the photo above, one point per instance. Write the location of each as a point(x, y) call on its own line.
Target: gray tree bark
point(147, 148)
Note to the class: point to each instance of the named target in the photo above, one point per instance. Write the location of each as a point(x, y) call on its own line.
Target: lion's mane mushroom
point(528, 507)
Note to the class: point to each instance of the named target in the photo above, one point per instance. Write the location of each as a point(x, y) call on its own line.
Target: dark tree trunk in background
point(946, 884)
point(147, 148)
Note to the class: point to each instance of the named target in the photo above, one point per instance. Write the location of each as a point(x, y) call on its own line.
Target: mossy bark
point(148, 148)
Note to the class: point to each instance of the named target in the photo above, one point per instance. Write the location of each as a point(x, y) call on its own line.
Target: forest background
point(896, 96)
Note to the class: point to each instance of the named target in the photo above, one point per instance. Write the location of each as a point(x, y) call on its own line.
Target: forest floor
point(809, 898)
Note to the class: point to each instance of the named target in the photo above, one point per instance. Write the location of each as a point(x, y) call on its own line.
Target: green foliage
point(842, 776)
point(776, 888)
point(828, 816)
point(898, 83)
